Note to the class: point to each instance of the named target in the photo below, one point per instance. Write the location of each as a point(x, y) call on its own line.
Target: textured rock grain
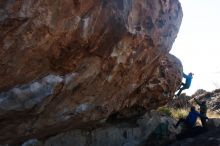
point(67, 64)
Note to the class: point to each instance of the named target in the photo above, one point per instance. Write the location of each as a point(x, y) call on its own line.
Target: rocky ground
point(209, 138)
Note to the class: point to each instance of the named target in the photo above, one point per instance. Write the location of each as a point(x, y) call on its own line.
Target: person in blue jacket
point(187, 83)
point(190, 120)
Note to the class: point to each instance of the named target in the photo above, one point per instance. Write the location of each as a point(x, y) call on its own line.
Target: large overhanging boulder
point(67, 64)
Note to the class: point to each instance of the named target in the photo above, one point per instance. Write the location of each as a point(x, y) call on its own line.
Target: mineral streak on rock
point(65, 64)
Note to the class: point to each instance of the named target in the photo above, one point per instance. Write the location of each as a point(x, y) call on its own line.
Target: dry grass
point(174, 113)
point(183, 112)
point(212, 114)
point(179, 113)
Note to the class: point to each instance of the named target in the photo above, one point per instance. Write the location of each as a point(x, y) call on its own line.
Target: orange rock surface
point(67, 64)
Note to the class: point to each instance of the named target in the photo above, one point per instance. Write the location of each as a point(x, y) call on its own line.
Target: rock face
point(123, 134)
point(212, 100)
point(67, 64)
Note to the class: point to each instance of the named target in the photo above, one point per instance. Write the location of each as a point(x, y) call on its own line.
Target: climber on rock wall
point(187, 83)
